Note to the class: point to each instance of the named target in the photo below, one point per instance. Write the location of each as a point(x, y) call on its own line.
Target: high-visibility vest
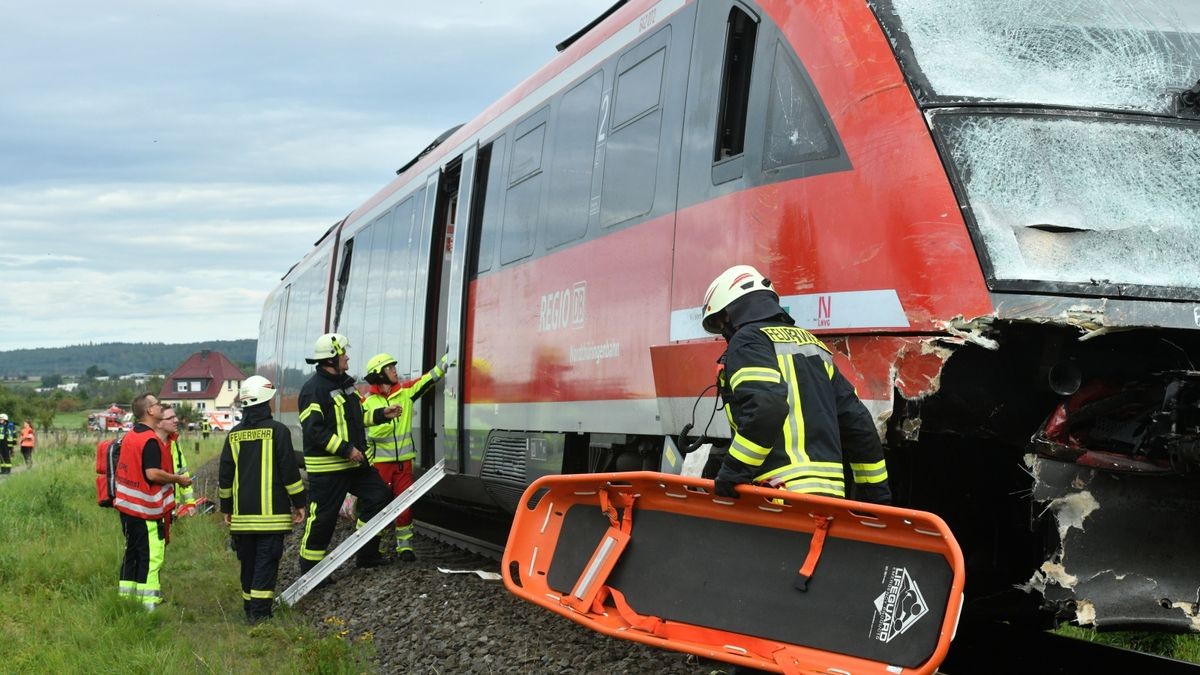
point(137, 496)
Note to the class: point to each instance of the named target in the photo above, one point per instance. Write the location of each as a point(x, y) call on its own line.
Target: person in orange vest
point(145, 497)
point(27, 439)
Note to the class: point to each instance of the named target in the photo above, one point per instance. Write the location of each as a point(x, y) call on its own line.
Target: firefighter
point(205, 428)
point(331, 420)
point(6, 445)
point(145, 498)
point(387, 414)
point(795, 418)
point(261, 494)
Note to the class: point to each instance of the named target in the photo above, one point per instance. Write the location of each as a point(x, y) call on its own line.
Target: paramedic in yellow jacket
point(387, 414)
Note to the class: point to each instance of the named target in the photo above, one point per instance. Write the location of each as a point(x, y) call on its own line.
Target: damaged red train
point(988, 210)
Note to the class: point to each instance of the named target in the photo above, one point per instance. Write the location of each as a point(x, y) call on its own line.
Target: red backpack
point(108, 453)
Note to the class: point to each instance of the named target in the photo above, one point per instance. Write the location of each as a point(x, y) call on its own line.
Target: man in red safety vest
point(145, 497)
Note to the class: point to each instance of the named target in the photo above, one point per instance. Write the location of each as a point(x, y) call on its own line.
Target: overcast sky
point(162, 164)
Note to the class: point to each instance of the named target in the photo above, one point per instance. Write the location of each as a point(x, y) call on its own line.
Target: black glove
point(725, 488)
point(732, 473)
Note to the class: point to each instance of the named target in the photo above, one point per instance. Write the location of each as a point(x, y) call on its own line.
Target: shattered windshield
point(1053, 202)
point(1115, 54)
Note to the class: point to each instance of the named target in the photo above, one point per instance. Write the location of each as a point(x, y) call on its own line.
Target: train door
point(444, 309)
point(452, 323)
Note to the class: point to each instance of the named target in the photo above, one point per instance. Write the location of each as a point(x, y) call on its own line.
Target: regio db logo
point(563, 309)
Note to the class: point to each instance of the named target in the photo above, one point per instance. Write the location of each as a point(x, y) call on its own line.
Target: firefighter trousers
point(145, 546)
point(326, 492)
point(5, 457)
point(259, 554)
point(399, 477)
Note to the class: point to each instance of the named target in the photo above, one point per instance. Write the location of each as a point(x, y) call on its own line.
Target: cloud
point(165, 164)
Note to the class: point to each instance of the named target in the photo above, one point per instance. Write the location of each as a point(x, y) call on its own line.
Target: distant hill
point(118, 358)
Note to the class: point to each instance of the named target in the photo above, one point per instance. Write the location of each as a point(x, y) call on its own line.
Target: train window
point(523, 202)
point(343, 280)
point(305, 321)
point(740, 34)
point(399, 286)
point(376, 284)
point(631, 156)
point(574, 154)
point(797, 128)
point(351, 322)
point(527, 154)
point(491, 208)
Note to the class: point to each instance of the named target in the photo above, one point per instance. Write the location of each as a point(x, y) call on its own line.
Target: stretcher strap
point(814, 552)
point(595, 574)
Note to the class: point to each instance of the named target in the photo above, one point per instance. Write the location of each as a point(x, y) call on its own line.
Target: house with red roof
point(208, 381)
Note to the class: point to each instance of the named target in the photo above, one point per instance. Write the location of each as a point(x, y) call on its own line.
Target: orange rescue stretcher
point(773, 580)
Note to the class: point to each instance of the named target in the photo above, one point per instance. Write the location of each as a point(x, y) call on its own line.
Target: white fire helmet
point(328, 346)
point(4, 417)
point(255, 389)
point(730, 285)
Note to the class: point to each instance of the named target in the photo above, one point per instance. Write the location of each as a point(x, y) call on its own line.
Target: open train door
point(460, 241)
point(449, 245)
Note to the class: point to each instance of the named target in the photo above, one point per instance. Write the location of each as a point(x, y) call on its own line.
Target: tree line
point(115, 358)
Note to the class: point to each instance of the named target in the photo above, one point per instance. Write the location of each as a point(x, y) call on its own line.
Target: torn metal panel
point(918, 369)
point(971, 332)
point(1127, 549)
point(1091, 314)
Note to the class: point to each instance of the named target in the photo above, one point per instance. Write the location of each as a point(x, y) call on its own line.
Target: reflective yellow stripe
point(263, 595)
point(334, 443)
point(339, 412)
point(307, 553)
point(754, 374)
point(832, 470)
point(875, 472)
point(327, 464)
point(312, 408)
point(295, 488)
point(814, 486)
point(793, 427)
point(271, 523)
point(747, 451)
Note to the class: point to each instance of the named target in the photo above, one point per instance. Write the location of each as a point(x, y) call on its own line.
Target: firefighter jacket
point(136, 495)
point(332, 422)
point(8, 433)
point(391, 440)
point(183, 495)
point(795, 418)
point(259, 480)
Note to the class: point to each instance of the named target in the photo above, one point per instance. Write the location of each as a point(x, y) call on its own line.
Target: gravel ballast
point(421, 620)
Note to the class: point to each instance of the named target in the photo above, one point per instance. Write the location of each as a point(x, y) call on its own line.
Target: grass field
point(59, 558)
